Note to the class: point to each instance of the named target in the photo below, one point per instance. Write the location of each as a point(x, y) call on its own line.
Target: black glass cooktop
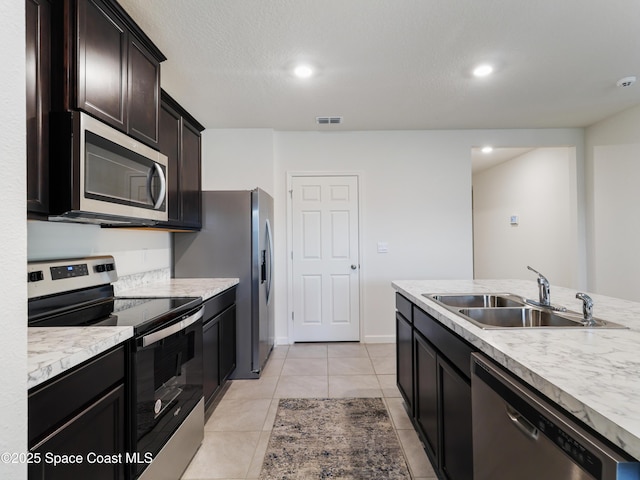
point(143, 314)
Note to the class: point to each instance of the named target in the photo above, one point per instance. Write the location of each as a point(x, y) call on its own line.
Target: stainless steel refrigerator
point(236, 241)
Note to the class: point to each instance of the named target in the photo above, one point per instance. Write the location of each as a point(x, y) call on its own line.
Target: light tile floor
point(237, 433)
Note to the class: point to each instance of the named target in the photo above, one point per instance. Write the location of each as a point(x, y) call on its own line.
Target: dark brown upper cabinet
point(38, 93)
point(180, 141)
point(105, 65)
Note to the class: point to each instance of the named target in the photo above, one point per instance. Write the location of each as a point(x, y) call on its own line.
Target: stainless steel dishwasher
point(517, 434)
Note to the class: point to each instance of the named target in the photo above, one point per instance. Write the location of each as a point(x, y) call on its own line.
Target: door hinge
point(291, 254)
point(292, 316)
point(291, 193)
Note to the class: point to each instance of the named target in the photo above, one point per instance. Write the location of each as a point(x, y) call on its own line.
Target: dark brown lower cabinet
point(456, 461)
point(210, 359)
point(219, 344)
point(95, 436)
point(79, 420)
point(426, 381)
point(441, 410)
point(404, 360)
point(228, 342)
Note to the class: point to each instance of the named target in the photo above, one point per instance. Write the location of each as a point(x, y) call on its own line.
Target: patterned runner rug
point(342, 438)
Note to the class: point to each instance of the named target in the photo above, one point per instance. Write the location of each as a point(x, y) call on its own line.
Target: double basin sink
point(506, 310)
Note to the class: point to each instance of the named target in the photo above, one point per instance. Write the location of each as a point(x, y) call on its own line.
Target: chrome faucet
point(587, 308)
point(545, 297)
point(543, 287)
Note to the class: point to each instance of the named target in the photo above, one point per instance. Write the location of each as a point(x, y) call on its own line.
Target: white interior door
point(326, 278)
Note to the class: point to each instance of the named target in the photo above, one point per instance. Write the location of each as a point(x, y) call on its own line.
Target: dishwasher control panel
point(572, 447)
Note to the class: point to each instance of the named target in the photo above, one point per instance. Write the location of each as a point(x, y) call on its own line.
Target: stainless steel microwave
point(101, 175)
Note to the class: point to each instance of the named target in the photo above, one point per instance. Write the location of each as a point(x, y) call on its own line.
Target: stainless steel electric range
point(166, 407)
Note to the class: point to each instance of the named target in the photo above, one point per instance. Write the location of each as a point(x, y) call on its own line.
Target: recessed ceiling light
point(303, 71)
point(482, 70)
point(487, 149)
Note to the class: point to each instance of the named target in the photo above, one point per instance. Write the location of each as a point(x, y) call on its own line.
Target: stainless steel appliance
point(101, 175)
point(517, 433)
point(236, 241)
point(166, 408)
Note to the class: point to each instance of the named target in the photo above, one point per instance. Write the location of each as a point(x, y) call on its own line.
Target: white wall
point(416, 196)
point(13, 239)
point(540, 187)
point(410, 181)
point(613, 197)
point(134, 251)
point(241, 159)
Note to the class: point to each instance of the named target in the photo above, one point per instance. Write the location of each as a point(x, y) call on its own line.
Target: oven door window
point(119, 175)
point(169, 385)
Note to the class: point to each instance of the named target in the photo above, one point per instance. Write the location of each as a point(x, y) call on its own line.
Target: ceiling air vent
point(328, 120)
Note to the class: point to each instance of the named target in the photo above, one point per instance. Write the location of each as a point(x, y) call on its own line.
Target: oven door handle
point(173, 329)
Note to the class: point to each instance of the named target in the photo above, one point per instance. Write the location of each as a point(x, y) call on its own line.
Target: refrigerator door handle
point(270, 258)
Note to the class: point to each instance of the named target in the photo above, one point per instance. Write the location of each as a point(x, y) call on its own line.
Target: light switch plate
point(383, 247)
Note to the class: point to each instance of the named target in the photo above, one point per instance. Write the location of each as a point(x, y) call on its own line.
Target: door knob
point(353, 267)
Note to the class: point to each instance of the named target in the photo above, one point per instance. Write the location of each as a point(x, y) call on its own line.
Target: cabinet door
point(227, 343)
point(169, 145)
point(38, 96)
point(99, 429)
point(102, 63)
point(404, 360)
point(210, 359)
point(190, 176)
point(457, 451)
point(426, 381)
point(143, 94)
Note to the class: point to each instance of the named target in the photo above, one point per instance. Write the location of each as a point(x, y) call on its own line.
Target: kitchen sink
point(527, 317)
point(475, 300)
point(524, 317)
point(509, 311)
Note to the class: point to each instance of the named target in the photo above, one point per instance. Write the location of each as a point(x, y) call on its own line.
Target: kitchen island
point(592, 373)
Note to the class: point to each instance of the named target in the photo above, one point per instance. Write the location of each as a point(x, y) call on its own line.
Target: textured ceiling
point(396, 64)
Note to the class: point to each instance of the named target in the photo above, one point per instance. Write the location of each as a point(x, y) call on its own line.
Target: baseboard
point(367, 339)
point(380, 339)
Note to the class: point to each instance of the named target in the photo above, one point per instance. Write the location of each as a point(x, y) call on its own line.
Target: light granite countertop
point(53, 350)
point(592, 373)
point(182, 287)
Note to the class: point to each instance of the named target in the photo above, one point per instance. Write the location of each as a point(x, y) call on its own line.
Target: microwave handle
point(175, 328)
point(157, 203)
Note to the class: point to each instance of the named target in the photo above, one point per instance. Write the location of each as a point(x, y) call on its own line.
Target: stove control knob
point(100, 268)
point(36, 276)
point(109, 266)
